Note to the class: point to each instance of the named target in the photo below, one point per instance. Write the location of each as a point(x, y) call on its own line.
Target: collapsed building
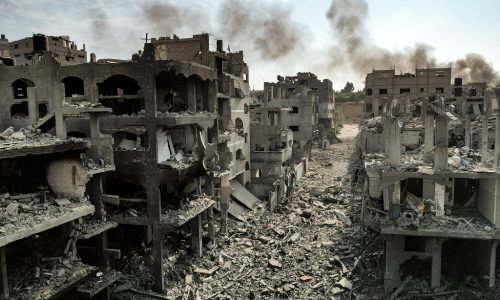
point(287, 91)
point(381, 86)
point(273, 171)
point(430, 192)
point(171, 131)
point(54, 226)
point(29, 50)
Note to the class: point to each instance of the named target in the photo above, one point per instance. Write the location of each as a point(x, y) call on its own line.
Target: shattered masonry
point(432, 176)
point(103, 158)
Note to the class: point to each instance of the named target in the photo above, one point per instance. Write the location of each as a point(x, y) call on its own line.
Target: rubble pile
point(42, 281)
point(419, 160)
point(29, 210)
point(29, 137)
point(311, 248)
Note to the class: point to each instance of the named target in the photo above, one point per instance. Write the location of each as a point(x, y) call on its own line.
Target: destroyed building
point(54, 227)
point(271, 143)
point(29, 50)
point(432, 194)
point(308, 81)
point(381, 86)
point(302, 119)
point(231, 128)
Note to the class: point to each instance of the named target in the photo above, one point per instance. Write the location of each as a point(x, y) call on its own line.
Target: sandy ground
point(348, 132)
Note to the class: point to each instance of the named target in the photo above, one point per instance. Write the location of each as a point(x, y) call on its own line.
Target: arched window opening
point(238, 127)
point(19, 110)
point(73, 86)
point(20, 88)
point(122, 94)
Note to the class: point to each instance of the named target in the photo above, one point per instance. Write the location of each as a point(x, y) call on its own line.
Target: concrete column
point(158, 258)
point(434, 247)
point(3, 274)
point(439, 197)
point(467, 131)
point(387, 137)
point(428, 189)
point(375, 104)
point(196, 236)
point(429, 132)
point(210, 217)
point(493, 261)
point(441, 151)
point(148, 88)
point(191, 94)
point(61, 131)
point(395, 140)
point(32, 106)
point(394, 246)
point(497, 140)
point(484, 138)
point(396, 193)
point(225, 194)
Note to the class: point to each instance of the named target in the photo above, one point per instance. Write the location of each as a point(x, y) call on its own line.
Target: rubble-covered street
point(311, 248)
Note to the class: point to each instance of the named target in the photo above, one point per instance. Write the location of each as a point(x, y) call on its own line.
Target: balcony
point(272, 156)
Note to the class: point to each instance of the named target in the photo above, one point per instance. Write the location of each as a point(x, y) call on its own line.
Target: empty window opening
point(172, 91)
point(259, 147)
point(238, 126)
point(126, 141)
point(245, 109)
point(20, 88)
point(368, 107)
point(19, 110)
point(247, 166)
point(418, 268)
point(42, 109)
point(422, 89)
point(294, 128)
point(120, 93)
point(404, 91)
point(382, 91)
point(414, 243)
point(439, 90)
point(125, 189)
point(77, 134)
point(73, 86)
point(273, 118)
point(124, 106)
point(239, 155)
point(118, 85)
point(369, 92)
point(295, 110)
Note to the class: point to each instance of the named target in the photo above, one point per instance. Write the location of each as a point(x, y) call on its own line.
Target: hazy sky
point(114, 28)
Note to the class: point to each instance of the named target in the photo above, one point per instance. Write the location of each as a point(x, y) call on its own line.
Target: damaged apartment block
point(430, 191)
point(129, 165)
point(148, 148)
point(53, 233)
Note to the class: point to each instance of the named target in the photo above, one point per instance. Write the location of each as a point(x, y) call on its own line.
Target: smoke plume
point(357, 50)
point(260, 26)
point(475, 68)
point(169, 18)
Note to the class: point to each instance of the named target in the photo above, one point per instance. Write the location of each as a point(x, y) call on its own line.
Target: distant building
point(28, 51)
point(302, 119)
point(271, 147)
point(311, 83)
point(4, 46)
point(382, 86)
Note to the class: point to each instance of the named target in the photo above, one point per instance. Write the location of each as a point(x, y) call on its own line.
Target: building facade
point(382, 86)
point(29, 50)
